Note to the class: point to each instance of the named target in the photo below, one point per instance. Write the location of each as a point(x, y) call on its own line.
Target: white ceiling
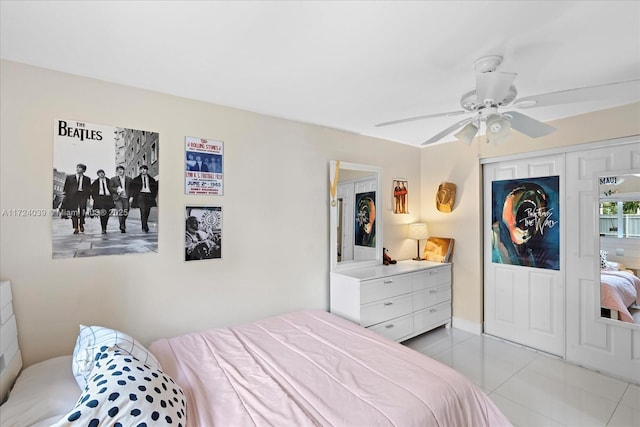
point(346, 65)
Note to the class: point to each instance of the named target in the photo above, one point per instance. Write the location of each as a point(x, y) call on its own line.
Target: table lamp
point(418, 231)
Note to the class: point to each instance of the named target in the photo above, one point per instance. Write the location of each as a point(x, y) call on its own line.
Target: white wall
point(275, 214)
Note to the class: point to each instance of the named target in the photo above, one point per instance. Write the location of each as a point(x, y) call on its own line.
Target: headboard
point(10, 356)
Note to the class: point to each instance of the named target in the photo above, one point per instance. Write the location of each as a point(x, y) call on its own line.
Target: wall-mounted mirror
point(355, 215)
point(618, 219)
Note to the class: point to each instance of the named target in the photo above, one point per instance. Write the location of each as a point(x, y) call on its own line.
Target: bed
point(312, 368)
point(307, 368)
point(619, 291)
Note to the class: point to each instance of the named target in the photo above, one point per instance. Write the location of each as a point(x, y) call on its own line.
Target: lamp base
point(418, 259)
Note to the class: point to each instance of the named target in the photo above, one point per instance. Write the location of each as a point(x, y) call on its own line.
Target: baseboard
point(467, 325)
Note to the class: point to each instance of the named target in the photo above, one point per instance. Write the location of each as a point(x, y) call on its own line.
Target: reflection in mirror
point(619, 230)
point(355, 226)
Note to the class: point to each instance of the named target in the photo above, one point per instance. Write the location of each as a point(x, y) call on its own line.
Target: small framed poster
point(203, 233)
point(203, 171)
point(400, 196)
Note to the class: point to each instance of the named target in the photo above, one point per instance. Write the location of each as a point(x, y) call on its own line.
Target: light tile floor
point(533, 388)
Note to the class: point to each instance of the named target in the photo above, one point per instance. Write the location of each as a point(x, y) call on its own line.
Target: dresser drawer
point(433, 277)
point(374, 290)
point(396, 328)
point(426, 318)
point(431, 296)
point(385, 309)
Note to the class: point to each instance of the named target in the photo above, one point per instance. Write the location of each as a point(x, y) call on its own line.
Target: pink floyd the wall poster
point(525, 222)
point(365, 219)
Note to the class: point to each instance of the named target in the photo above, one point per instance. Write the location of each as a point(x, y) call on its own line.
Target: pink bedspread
point(618, 290)
point(312, 368)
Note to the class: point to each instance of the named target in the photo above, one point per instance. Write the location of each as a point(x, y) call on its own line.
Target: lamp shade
point(467, 133)
point(418, 231)
point(498, 128)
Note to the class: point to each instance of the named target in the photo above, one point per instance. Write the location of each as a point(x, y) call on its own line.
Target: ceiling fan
point(495, 89)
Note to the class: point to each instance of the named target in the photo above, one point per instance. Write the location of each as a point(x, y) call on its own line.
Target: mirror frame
point(596, 253)
point(333, 218)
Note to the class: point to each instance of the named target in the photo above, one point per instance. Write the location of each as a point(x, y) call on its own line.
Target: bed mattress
point(312, 368)
point(618, 291)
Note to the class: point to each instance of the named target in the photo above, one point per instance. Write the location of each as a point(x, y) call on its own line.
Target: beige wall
point(275, 256)
point(464, 223)
point(275, 214)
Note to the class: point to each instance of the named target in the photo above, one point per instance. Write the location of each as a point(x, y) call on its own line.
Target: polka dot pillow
point(603, 259)
point(123, 392)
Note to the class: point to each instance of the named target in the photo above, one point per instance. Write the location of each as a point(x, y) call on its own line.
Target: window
point(619, 207)
point(620, 218)
point(154, 153)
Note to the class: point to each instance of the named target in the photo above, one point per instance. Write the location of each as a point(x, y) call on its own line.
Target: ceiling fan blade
point(527, 125)
point(448, 130)
point(428, 116)
point(494, 85)
point(582, 94)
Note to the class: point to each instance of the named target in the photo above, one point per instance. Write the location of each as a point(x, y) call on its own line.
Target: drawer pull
point(388, 303)
point(389, 326)
point(433, 291)
point(433, 310)
point(388, 281)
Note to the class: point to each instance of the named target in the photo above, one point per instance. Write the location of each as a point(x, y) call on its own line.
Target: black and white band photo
point(105, 190)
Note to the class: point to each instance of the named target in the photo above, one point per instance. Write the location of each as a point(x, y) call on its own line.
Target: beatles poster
point(203, 166)
point(525, 222)
point(365, 219)
point(105, 190)
point(203, 233)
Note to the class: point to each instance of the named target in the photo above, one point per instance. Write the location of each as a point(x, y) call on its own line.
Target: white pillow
point(42, 394)
point(95, 339)
point(122, 391)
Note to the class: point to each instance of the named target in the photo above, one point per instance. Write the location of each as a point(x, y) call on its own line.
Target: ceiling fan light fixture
point(487, 64)
point(467, 133)
point(498, 128)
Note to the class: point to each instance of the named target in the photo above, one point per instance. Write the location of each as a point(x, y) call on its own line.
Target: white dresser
point(398, 301)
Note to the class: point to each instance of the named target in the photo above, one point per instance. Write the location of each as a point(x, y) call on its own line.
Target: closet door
point(610, 347)
point(524, 293)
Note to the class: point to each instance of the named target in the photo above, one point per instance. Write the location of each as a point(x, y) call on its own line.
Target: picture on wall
point(438, 249)
point(105, 190)
point(203, 233)
point(525, 222)
point(203, 172)
point(365, 219)
point(400, 196)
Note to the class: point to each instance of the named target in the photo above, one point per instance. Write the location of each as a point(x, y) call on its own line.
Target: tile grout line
point(618, 404)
